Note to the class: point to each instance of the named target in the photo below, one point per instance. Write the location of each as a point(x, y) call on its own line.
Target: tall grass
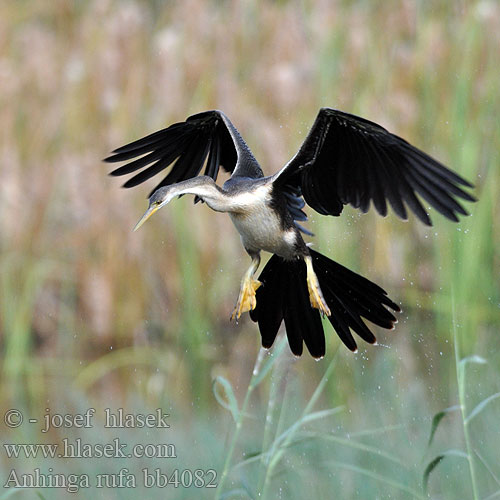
point(93, 314)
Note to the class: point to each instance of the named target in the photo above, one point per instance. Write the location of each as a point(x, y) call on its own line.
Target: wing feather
point(185, 146)
point(346, 159)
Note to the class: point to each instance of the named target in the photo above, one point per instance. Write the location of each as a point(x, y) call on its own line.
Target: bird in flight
point(344, 160)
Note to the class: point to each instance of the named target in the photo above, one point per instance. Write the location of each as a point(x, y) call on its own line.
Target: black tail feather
point(270, 295)
point(350, 297)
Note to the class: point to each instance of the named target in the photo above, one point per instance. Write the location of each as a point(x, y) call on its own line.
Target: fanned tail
point(350, 297)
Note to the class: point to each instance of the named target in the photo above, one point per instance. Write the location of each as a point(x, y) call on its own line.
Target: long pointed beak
point(149, 212)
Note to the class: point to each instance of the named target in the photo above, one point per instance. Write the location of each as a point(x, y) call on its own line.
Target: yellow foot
point(246, 299)
point(315, 293)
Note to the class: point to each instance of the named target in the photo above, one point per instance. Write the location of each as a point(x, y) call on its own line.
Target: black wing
point(205, 134)
point(349, 160)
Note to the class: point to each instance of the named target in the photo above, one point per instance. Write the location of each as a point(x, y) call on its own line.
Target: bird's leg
point(246, 299)
point(315, 293)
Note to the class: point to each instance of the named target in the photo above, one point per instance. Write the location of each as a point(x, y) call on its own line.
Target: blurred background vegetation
point(92, 314)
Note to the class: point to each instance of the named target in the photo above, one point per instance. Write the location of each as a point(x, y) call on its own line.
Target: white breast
point(259, 226)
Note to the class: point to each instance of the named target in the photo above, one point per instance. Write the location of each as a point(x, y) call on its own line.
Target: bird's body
point(262, 226)
point(344, 159)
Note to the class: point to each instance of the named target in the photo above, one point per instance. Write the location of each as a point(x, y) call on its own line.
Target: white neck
point(204, 187)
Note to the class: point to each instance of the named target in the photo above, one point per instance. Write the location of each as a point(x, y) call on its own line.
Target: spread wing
point(349, 160)
point(188, 144)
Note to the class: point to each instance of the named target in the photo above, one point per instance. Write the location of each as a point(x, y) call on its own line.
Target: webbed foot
point(246, 299)
point(315, 293)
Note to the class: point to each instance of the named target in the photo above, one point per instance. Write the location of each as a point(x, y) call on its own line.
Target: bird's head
point(157, 200)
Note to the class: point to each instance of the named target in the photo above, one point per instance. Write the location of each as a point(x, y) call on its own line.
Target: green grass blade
point(227, 399)
point(436, 461)
point(437, 419)
point(427, 472)
point(287, 436)
point(321, 414)
point(378, 477)
point(473, 359)
point(496, 494)
point(269, 362)
point(380, 430)
point(481, 406)
point(356, 445)
point(127, 356)
point(487, 467)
